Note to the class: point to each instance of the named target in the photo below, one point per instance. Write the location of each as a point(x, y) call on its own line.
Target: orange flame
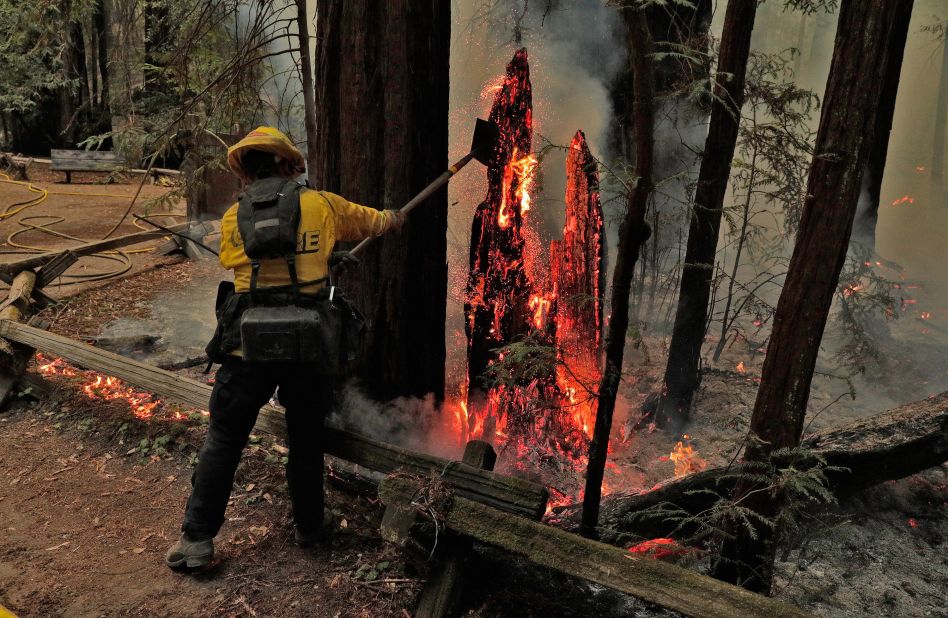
point(687, 461)
point(541, 310)
point(98, 386)
point(741, 368)
point(905, 199)
point(525, 171)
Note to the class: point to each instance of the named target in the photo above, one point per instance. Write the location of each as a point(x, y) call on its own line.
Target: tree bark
point(382, 117)
point(865, 41)
point(867, 212)
point(941, 115)
point(309, 91)
point(681, 372)
point(632, 235)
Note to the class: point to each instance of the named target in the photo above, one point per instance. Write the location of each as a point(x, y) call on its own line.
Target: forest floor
point(91, 496)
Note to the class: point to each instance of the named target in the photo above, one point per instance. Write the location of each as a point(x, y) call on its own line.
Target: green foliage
point(522, 362)
point(796, 479)
point(810, 7)
point(865, 302)
point(31, 46)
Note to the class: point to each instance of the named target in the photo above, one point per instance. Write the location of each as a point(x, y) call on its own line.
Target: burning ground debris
point(100, 387)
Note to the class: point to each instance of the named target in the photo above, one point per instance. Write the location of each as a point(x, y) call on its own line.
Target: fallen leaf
point(138, 550)
point(259, 530)
point(250, 486)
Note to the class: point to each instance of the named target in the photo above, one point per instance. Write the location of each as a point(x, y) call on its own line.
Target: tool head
point(486, 136)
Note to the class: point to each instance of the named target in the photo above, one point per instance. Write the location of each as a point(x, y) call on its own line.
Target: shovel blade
point(484, 144)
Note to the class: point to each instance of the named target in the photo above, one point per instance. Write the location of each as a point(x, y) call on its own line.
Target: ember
point(905, 199)
point(741, 368)
point(660, 548)
point(97, 386)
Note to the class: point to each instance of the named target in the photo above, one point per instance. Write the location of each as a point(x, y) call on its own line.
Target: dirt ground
point(81, 211)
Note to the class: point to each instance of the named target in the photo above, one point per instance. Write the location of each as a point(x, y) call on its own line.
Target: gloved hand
point(397, 219)
point(342, 259)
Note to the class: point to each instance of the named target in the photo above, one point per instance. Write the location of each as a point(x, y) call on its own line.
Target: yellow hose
point(27, 224)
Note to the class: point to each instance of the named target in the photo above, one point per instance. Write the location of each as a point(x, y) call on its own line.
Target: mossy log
point(661, 583)
point(504, 492)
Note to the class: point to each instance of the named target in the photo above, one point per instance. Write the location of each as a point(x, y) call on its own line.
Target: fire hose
point(44, 223)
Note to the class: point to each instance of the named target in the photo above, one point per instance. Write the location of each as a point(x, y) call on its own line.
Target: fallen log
point(892, 445)
point(661, 583)
point(503, 492)
point(96, 246)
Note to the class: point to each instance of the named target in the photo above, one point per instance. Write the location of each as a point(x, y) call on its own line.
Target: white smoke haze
point(410, 422)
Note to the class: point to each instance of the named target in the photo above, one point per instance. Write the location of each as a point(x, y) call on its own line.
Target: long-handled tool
point(486, 135)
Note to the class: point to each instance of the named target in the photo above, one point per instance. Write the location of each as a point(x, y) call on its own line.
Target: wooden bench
point(70, 161)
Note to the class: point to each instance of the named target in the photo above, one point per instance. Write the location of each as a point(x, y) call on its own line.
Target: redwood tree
point(869, 35)
point(681, 373)
point(633, 232)
point(941, 115)
point(382, 119)
point(309, 93)
point(867, 213)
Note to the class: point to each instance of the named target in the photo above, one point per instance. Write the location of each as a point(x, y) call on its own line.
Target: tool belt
point(324, 329)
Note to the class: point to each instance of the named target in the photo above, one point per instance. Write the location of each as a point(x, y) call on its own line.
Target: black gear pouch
point(326, 331)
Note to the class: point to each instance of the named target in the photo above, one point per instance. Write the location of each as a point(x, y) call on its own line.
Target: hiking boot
point(190, 554)
point(307, 539)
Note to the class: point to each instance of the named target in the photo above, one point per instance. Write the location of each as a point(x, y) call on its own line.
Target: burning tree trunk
point(578, 276)
point(632, 235)
point(499, 288)
point(309, 92)
point(681, 373)
point(865, 41)
point(382, 115)
point(867, 212)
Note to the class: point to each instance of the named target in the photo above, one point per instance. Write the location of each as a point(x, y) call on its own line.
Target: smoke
point(410, 422)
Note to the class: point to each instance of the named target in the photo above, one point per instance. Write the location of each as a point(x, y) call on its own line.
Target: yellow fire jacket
point(325, 218)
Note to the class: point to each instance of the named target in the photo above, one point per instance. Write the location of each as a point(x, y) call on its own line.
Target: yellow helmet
point(267, 139)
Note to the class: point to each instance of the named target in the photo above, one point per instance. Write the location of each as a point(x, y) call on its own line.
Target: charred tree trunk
point(309, 91)
point(865, 41)
point(632, 235)
point(867, 212)
point(681, 373)
point(382, 118)
point(577, 263)
point(941, 115)
point(498, 288)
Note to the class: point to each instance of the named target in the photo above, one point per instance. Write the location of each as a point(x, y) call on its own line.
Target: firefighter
point(269, 162)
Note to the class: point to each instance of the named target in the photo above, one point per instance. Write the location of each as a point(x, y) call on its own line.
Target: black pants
point(240, 390)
